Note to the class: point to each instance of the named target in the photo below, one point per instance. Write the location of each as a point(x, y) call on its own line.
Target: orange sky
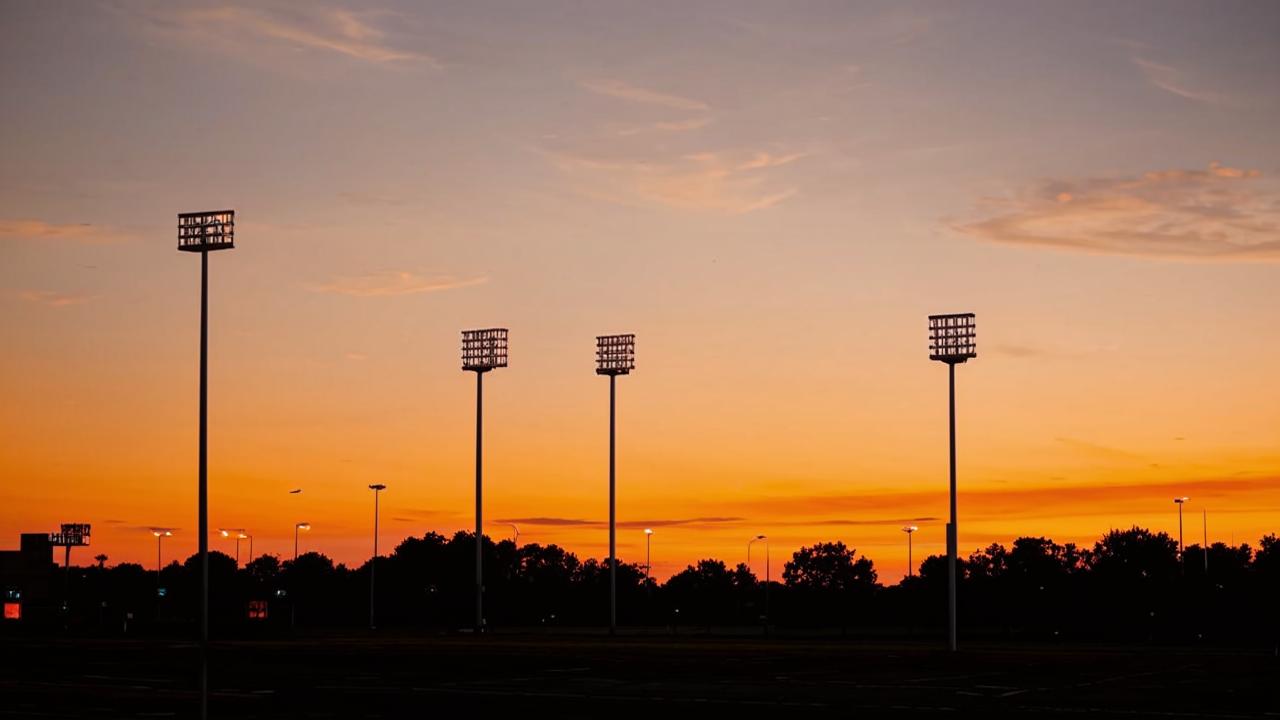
point(772, 201)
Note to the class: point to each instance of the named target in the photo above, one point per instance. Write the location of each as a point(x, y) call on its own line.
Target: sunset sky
point(772, 196)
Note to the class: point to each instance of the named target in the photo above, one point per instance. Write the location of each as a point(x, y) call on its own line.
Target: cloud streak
point(320, 30)
point(39, 230)
point(631, 524)
point(394, 283)
point(53, 298)
point(620, 90)
point(726, 183)
point(1172, 80)
point(1220, 213)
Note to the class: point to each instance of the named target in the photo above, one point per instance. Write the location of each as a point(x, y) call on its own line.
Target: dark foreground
point(593, 676)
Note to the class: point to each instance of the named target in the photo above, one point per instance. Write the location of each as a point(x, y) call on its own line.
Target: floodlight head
point(243, 536)
point(615, 354)
point(304, 526)
point(910, 529)
point(377, 486)
point(225, 533)
point(484, 350)
point(1181, 500)
point(204, 231)
point(952, 338)
point(648, 531)
point(161, 532)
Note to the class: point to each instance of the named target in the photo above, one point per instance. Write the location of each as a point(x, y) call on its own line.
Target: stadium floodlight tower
point(204, 232)
point(482, 351)
point(615, 355)
point(952, 340)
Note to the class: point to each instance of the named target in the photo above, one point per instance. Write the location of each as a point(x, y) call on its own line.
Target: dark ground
point(591, 676)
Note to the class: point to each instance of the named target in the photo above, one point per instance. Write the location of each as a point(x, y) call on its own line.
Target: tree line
point(1130, 585)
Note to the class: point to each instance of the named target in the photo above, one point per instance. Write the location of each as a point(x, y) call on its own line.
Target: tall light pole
point(1182, 558)
point(240, 535)
point(952, 340)
point(161, 534)
point(1204, 516)
point(910, 565)
point(296, 528)
point(482, 351)
point(373, 564)
point(615, 355)
point(765, 538)
point(204, 232)
point(648, 557)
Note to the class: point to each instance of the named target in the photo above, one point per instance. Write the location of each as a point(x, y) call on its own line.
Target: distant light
point(304, 526)
point(12, 611)
point(910, 529)
point(1181, 500)
point(648, 531)
point(378, 486)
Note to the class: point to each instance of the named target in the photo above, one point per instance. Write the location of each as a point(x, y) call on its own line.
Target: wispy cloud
point(1170, 79)
point(1220, 213)
point(395, 282)
point(39, 230)
point(632, 524)
point(666, 126)
point(53, 298)
point(305, 28)
point(632, 93)
point(704, 181)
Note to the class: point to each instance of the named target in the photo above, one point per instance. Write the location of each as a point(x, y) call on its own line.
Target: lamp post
point(1204, 516)
point(615, 355)
point(240, 535)
point(765, 538)
point(482, 351)
point(161, 534)
point(952, 340)
point(296, 528)
point(910, 565)
point(1180, 501)
point(204, 232)
point(373, 564)
point(648, 562)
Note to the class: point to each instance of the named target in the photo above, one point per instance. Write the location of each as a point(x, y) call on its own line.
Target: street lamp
point(615, 355)
point(648, 562)
point(161, 534)
point(296, 528)
point(910, 565)
point(482, 351)
point(373, 564)
point(204, 232)
point(240, 535)
point(1180, 502)
point(952, 340)
point(765, 538)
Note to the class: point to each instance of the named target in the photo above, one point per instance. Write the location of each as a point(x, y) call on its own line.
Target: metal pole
point(952, 539)
point(613, 557)
point(648, 562)
point(1182, 550)
point(159, 539)
point(295, 543)
point(1205, 517)
point(250, 549)
point(479, 511)
point(373, 565)
point(766, 585)
point(237, 551)
point(910, 564)
point(204, 485)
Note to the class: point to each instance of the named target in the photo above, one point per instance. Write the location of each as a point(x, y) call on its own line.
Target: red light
point(257, 609)
point(12, 611)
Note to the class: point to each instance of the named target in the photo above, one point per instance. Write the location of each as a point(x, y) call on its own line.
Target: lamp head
point(648, 531)
point(304, 526)
point(484, 350)
point(377, 486)
point(1181, 500)
point(952, 338)
point(615, 354)
point(910, 529)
